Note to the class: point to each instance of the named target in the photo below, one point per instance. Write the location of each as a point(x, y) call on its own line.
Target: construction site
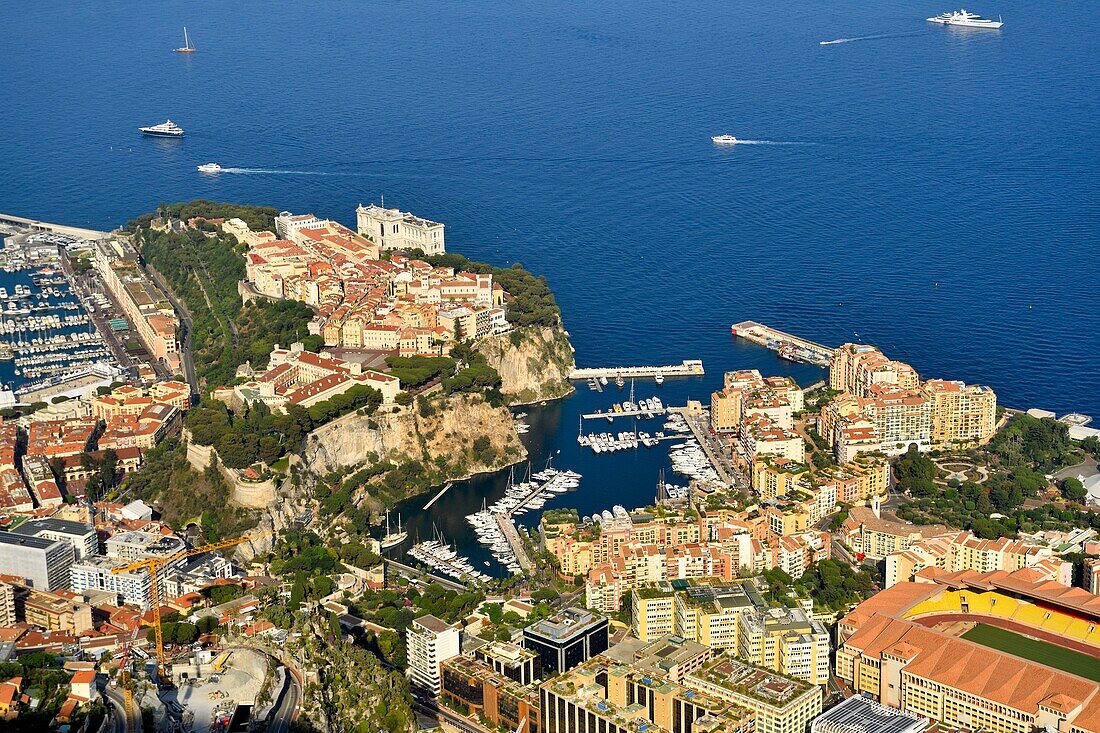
point(199, 688)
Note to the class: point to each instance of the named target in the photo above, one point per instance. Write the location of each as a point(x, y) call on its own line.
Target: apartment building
point(133, 546)
point(14, 496)
point(884, 406)
point(872, 536)
point(394, 229)
point(7, 604)
point(470, 683)
point(81, 536)
point(957, 551)
point(760, 435)
point(961, 414)
point(773, 476)
point(858, 369)
point(60, 611)
point(430, 642)
point(668, 656)
point(901, 417)
point(45, 564)
point(785, 640)
point(514, 662)
point(602, 696)
point(780, 704)
point(96, 573)
point(653, 612)
point(146, 306)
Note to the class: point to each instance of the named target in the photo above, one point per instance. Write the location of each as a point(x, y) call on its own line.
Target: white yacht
point(965, 19)
point(724, 140)
point(164, 129)
point(209, 168)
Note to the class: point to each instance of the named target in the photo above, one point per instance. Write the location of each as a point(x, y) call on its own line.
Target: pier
point(688, 368)
point(646, 414)
point(788, 346)
point(21, 222)
point(508, 528)
point(713, 450)
point(442, 491)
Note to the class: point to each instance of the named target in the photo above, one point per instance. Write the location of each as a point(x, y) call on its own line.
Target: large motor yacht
point(164, 129)
point(965, 19)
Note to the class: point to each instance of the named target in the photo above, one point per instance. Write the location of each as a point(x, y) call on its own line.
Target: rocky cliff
point(534, 363)
point(437, 430)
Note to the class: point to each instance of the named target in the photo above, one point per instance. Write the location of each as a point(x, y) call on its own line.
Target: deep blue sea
point(934, 192)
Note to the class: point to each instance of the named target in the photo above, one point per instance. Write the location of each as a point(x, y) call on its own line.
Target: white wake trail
point(274, 171)
point(769, 142)
point(869, 38)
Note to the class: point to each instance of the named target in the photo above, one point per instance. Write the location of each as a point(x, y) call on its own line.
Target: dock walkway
point(633, 413)
point(688, 368)
point(709, 445)
point(770, 337)
point(22, 222)
point(508, 527)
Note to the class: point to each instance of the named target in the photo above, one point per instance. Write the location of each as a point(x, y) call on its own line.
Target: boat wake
point(770, 142)
point(274, 171)
point(869, 38)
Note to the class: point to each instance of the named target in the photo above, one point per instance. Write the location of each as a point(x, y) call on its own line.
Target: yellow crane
point(152, 565)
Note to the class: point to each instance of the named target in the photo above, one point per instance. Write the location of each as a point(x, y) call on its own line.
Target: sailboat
point(393, 538)
point(187, 47)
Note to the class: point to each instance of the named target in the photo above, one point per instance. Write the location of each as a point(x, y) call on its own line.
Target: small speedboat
point(724, 140)
point(209, 168)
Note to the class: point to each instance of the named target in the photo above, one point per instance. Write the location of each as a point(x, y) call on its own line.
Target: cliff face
point(440, 433)
point(534, 363)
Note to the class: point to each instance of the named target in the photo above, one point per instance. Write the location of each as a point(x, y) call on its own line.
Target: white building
point(393, 229)
point(95, 574)
point(44, 563)
point(430, 642)
point(197, 573)
point(132, 546)
point(81, 536)
point(286, 224)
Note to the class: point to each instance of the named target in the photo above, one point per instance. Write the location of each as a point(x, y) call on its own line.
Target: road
point(186, 360)
point(286, 706)
point(410, 572)
point(117, 711)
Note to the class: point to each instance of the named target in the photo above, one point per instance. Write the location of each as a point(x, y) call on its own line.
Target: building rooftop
point(859, 714)
point(757, 683)
point(432, 623)
point(53, 525)
point(565, 623)
point(12, 538)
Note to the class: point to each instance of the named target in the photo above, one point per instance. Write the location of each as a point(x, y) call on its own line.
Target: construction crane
point(152, 565)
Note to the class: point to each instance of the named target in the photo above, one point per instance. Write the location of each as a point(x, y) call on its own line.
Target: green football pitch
point(1042, 652)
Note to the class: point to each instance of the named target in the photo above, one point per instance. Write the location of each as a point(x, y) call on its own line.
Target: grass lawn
point(1042, 652)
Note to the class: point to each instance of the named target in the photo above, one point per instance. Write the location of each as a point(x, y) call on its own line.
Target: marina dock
point(788, 346)
point(688, 368)
point(508, 527)
point(646, 414)
point(707, 443)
